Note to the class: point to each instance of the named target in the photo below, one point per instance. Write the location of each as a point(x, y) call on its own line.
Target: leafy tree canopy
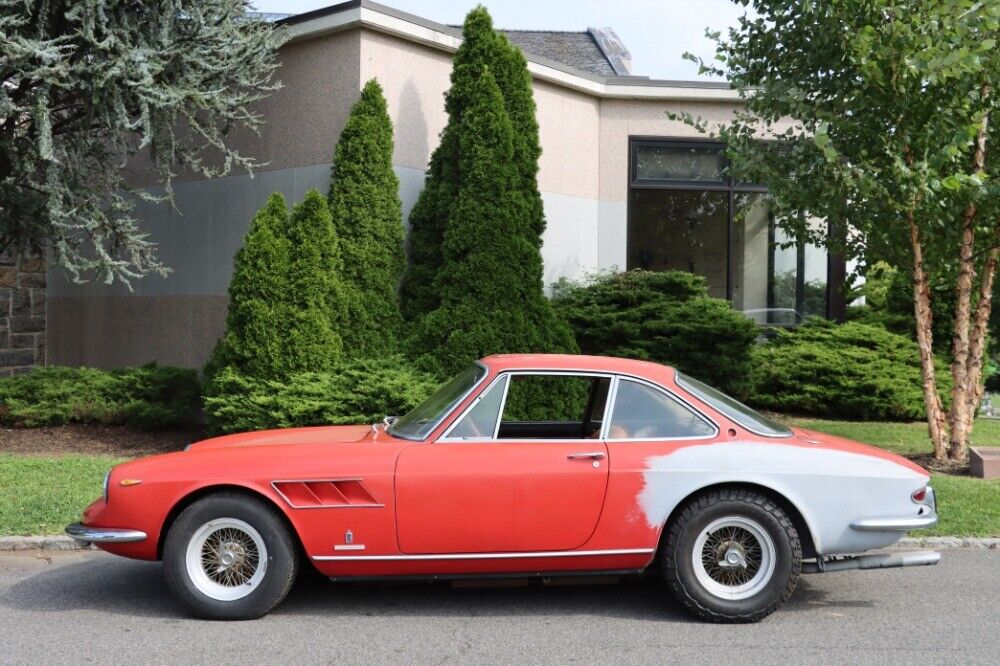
point(874, 115)
point(86, 86)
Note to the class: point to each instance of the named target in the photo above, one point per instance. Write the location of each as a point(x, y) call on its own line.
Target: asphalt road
point(94, 607)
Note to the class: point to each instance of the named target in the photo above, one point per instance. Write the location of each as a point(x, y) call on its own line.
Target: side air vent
point(325, 494)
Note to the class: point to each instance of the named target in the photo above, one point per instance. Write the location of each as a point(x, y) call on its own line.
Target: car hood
point(832, 442)
point(315, 435)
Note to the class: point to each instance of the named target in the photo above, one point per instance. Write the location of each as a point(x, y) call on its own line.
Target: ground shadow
point(106, 584)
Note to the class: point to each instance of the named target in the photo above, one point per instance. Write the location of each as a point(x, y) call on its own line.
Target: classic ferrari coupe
point(521, 466)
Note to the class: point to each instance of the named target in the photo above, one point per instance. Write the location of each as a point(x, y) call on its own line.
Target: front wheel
point(732, 556)
point(229, 556)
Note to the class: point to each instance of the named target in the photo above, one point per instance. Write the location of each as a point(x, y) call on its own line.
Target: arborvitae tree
point(481, 46)
point(367, 219)
point(490, 282)
point(313, 288)
point(254, 342)
point(282, 293)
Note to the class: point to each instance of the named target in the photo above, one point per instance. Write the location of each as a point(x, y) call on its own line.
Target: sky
point(656, 32)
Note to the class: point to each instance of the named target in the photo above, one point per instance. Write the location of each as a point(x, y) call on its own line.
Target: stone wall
point(22, 314)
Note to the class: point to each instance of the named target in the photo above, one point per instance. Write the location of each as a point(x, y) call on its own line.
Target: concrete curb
point(59, 542)
point(56, 542)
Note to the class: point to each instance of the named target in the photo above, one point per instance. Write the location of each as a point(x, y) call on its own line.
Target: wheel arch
point(204, 491)
point(794, 513)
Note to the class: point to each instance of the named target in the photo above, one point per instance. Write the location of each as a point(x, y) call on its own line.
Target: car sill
point(483, 556)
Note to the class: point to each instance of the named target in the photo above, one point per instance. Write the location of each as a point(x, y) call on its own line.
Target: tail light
point(920, 495)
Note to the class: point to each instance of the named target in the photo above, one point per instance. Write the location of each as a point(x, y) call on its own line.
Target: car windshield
point(422, 419)
point(734, 409)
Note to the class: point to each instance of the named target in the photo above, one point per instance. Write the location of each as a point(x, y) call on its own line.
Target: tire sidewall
point(786, 563)
point(281, 557)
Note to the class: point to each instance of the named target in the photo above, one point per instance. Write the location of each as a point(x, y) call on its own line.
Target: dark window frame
point(732, 188)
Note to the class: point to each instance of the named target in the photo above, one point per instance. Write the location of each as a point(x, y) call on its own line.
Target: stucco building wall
point(177, 319)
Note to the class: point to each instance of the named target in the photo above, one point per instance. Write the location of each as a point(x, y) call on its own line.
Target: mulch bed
point(928, 462)
point(96, 439)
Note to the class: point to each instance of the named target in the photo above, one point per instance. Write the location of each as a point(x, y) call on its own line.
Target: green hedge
point(856, 371)
point(666, 317)
point(362, 391)
point(149, 397)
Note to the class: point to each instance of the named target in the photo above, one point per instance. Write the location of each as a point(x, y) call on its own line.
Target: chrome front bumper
point(82, 532)
point(926, 517)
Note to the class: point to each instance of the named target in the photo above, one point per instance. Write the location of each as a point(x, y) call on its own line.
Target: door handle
point(592, 455)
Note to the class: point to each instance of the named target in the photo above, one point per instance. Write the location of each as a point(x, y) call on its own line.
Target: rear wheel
point(732, 556)
point(229, 556)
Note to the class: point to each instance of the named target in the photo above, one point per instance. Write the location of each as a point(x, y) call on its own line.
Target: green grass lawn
point(42, 494)
point(967, 506)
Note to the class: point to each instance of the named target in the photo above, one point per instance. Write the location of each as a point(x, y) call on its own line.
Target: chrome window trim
point(503, 402)
point(615, 378)
point(444, 417)
point(502, 377)
point(487, 556)
point(680, 382)
point(672, 396)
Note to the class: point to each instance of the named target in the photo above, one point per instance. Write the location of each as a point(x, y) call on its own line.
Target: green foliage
point(87, 86)
point(365, 207)
point(482, 47)
point(148, 397)
point(356, 391)
point(284, 287)
point(490, 282)
point(666, 317)
point(886, 101)
point(855, 370)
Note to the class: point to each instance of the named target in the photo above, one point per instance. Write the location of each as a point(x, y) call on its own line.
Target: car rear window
point(748, 418)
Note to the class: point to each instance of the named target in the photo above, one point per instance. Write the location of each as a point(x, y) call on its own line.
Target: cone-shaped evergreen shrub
point(254, 341)
point(367, 220)
point(281, 294)
point(482, 46)
point(313, 288)
point(490, 281)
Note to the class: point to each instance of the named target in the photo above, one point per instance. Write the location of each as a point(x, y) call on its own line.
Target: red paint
point(433, 497)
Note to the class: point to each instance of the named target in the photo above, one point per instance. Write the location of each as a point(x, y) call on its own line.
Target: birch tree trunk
point(925, 343)
point(965, 386)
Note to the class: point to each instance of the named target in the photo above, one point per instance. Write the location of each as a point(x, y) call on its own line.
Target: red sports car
point(523, 465)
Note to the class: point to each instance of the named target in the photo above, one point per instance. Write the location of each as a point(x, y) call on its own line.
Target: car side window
point(480, 422)
point(643, 412)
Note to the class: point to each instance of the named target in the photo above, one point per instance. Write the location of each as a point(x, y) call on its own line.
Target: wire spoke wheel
point(734, 558)
point(226, 559)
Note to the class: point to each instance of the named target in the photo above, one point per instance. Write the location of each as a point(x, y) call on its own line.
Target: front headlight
point(107, 482)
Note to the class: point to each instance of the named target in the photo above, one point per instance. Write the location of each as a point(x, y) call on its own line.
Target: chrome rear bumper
point(82, 532)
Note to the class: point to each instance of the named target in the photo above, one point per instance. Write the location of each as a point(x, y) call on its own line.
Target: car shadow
point(106, 584)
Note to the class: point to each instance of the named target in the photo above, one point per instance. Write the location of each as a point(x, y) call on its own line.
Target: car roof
point(579, 362)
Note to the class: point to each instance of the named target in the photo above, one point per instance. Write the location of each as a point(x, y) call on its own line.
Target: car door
point(493, 483)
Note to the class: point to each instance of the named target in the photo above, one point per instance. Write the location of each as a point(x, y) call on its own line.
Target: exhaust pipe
point(915, 558)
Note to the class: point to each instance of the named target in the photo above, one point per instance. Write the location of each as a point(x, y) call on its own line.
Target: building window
point(686, 214)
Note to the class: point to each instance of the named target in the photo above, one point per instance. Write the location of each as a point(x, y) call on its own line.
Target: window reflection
point(680, 230)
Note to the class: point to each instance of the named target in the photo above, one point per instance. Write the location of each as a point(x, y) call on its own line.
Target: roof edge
point(375, 16)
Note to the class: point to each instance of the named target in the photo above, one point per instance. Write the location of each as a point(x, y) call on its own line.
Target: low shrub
point(362, 391)
point(855, 370)
point(666, 317)
point(148, 397)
